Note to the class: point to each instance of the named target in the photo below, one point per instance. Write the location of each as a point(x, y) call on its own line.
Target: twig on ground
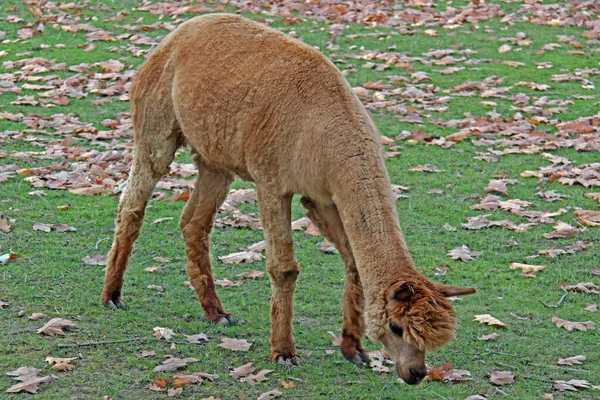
point(100, 343)
point(562, 299)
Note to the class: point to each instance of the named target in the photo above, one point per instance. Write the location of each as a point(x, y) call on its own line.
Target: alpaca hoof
point(359, 358)
point(115, 304)
point(289, 361)
point(226, 321)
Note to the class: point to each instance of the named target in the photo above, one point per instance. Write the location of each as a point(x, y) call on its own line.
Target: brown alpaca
point(252, 102)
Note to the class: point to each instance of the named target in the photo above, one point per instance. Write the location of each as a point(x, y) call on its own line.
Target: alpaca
point(253, 102)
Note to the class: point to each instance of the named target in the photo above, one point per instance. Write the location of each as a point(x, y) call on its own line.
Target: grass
point(49, 276)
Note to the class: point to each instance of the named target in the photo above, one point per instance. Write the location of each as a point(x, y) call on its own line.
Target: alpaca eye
point(396, 330)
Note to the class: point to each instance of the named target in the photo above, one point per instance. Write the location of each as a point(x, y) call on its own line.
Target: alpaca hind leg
point(151, 162)
point(327, 218)
point(197, 220)
point(283, 269)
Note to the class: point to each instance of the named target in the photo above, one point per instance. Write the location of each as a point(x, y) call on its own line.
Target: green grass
point(49, 276)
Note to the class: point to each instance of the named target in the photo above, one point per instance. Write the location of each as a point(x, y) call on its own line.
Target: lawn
point(466, 93)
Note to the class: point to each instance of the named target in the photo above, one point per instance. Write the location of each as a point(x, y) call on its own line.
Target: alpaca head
point(419, 319)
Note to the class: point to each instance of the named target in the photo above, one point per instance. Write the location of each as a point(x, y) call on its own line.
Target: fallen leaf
point(95, 259)
point(159, 384)
point(161, 259)
point(463, 253)
point(174, 392)
point(261, 376)
point(36, 316)
point(335, 340)
point(489, 320)
point(569, 325)
point(49, 227)
point(270, 395)
point(159, 220)
point(146, 353)
point(56, 326)
point(4, 258)
point(571, 360)
point(174, 363)
point(242, 371)
point(491, 336)
point(498, 186)
point(572, 385)
point(234, 344)
point(591, 307)
point(243, 256)
point(424, 168)
point(526, 268)
point(584, 287)
point(287, 385)
point(30, 380)
point(252, 274)
point(163, 333)
point(437, 373)
point(504, 49)
point(502, 377)
point(226, 282)
point(3, 304)
point(4, 225)
point(562, 230)
point(588, 217)
point(199, 338)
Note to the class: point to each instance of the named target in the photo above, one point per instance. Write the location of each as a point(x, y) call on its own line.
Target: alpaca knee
point(284, 276)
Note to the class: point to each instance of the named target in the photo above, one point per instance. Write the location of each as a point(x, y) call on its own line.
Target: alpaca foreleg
point(283, 269)
point(147, 169)
point(196, 223)
point(327, 218)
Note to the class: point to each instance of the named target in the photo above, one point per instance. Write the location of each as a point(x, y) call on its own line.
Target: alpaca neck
point(362, 193)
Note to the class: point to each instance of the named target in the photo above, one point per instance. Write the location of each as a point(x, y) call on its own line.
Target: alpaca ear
point(450, 291)
point(403, 291)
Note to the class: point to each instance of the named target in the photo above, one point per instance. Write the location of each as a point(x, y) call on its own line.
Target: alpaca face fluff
point(419, 319)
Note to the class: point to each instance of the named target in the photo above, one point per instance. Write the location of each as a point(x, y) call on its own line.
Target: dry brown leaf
point(526, 268)
point(584, 287)
point(146, 353)
point(588, 217)
point(573, 385)
point(261, 376)
point(491, 336)
point(437, 373)
point(174, 363)
point(562, 230)
point(504, 49)
point(95, 259)
point(424, 168)
point(234, 344)
point(30, 380)
point(163, 333)
point(335, 340)
point(591, 307)
point(199, 338)
point(226, 282)
point(502, 377)
point(252, 274)
point(571, 360)
point(174, 392)
point(498, 186)
point(570, 325)
point(288, 385)
point(463, 253)
point(243, 256)
point(270, 395)
point(242, 371)
point(489, 320)
point(56, 326)
point(159, 384)
point(36, 316)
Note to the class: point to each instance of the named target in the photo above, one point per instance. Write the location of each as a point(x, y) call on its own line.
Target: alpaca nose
point(417, 374)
